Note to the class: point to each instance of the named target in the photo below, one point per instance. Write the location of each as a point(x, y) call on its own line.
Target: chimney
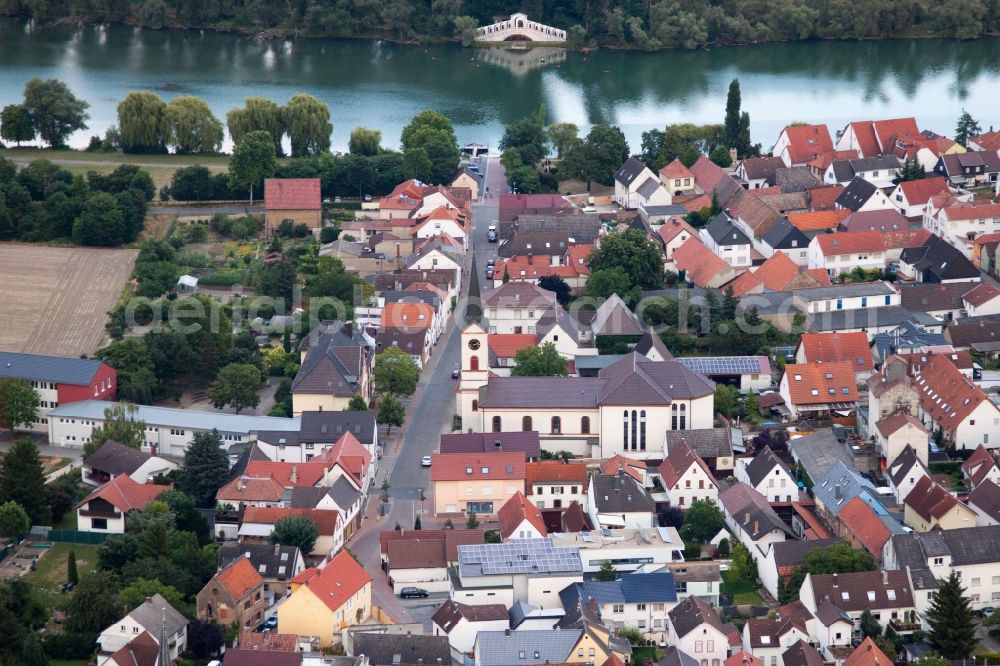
point(885, 577)
point(835, 580)
point(242, 485)
point(836, 492)
point(277, 547)
point(756, 526)
point(295, 474)
point(746, 517)
point(530, 262)
point(506, 632)
point(498, 444)
point(593, 604)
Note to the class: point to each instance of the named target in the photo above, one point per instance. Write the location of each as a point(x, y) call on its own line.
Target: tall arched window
point(475, 405)
point(673, 417)
point(474, 363)
point(635, 425)
point(585, 425)
point(625, 430)
point(642, 430)
point(496, 424)
point(683, 417)
point(556, 425)
point(526, 424)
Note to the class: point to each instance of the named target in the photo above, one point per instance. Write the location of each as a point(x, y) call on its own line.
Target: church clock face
point(473, 344)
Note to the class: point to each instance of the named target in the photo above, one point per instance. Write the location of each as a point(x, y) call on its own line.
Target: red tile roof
point(700, 264)
point(833, 382)
point(875, 220)
point(920, 191)
point(946, 394)
point(240, 578)
point(675, 169)
point(865, 138)
point(826, 159)
point(407, 316)
point(634, 468)
point(988, 140)
point(743, 658)
point(824, 196)
point(979, 465)
point(555, 471)
point(335, 583)
point(464, 466)
point(292, 194)
point(515, 511)
point(896, 129)
point(778, 273)
point(678, 461)
point(326, 520)
point(972, 211)
point(891, 424)
point(851, 347)
point(982, 294)
point(868, 654)
point(859, 518)
point(675, 226)
point(351, 454)
point(851, 242)
point(251, 489)
point(817, 220)
point(806, 142)
point(929, 499)
point(306, 474)
point(125, 494)
point(506, 345)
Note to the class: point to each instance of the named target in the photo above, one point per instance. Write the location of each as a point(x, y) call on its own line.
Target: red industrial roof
point(292, 194)
point(858, 517)
point(851, 347)
point(819, 383)
point(463, 466)
point(125, 494)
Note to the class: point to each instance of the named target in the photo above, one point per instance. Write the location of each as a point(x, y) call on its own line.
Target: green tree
point(14, 520)
point(257, 115)
point(365, 141)
point(542, 361)
point(472, 522)
point(18, 403)
point(296, 531)
point(870, 627)
point(558, 286)
point(206, 468)
point(430, 138)
point(604, 282)
point(22, 480)
point(702, 521)
point(724, 548)
point(720, 155)
point(750, 405)
point(135, 594)
point(726, 398)
point(32, 652)
point(391, 412)
point(731, 136)
point(743, 564)
point(253, 160)
point(527, 135)
point(966, 128)
point(72, 576)
point(357, 404)
point(597, 157)
point(55, 111)
point(911, 170)
point(236, 387)
point(94, 604)
point(307, 121)
point(427, 119)
point(562, 136)
point(635, 253)
point(101, 222)
point(952, 631)
point(141, 123)
point(395, 372)
point(15, 124)
point(122, 425)
point(835, 558)
point(191, 127)
point(607, 572)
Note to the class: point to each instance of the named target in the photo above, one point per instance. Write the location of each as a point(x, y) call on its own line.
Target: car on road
point(491, 262)
point(491, 236)
point(425, 461)
point(271, 623)
point(489, 272)
point(455, 373)
point(413, 593)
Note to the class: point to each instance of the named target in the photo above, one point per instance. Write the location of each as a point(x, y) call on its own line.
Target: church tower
point(474, 375)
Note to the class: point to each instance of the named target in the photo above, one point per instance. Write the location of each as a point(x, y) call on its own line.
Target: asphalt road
point(222, 209)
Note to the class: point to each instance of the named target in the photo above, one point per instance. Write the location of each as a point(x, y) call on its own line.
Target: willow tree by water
point(308, 123)
point(141, 123)
point(257, 114)
point(191, 126)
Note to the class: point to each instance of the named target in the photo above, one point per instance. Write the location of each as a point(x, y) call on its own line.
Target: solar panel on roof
point(722, 365)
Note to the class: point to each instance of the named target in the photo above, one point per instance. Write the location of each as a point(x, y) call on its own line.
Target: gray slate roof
point(649, 186)
point(819, 452)
point(906, 336)
point(395, 649)
point(629, 171)
point(620, 493)
point(475, 442)
point(898, 468)
point(965, 545)
point(866, 318)
point(166, 417)
point(840, 485)
point(852, 290)
point(762, 464)
point(706, 442)
point(856, 194)
point(674, 657)
point(784, 236)
point(150, 614)
point(938, 260)
point(115, 459)
point(986, 498)
point(38, 368)
point(724, 232)
point(794, 179)
point(499, 648)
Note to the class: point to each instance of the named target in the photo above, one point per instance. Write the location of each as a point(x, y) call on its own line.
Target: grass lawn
point(115, 158)
point(68, 521)
point(51, 572)
point(744, 591)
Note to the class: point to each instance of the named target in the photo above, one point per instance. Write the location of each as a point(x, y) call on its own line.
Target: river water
point(381, 85)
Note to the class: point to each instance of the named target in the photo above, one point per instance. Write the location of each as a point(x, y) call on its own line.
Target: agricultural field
point(57, 298)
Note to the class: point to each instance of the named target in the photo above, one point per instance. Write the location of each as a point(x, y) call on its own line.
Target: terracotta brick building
point(295, 199)
point(235, 594)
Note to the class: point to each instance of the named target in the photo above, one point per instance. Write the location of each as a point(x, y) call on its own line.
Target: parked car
point(425, 461)
point(456, 373)
point(413, 593)
point(489, 272)
point(491, 262)
point(491, 236)
point(271, 623)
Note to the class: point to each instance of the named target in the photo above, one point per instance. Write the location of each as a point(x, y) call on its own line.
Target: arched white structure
point(519, 28)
